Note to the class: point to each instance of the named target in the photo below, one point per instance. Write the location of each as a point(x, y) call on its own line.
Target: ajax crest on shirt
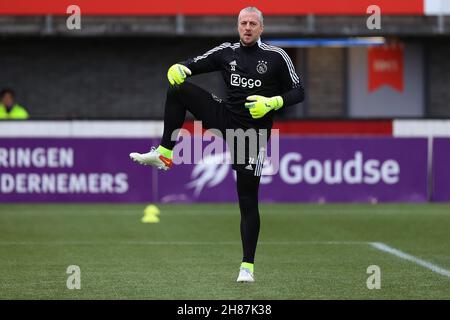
point(261, 67)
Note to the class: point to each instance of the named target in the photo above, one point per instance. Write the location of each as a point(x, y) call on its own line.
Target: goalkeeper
point(260, 79)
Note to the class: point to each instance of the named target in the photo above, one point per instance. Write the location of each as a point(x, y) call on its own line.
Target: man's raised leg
point(179, 99)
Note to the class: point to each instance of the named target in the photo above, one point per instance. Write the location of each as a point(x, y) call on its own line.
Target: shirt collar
point(251, 48)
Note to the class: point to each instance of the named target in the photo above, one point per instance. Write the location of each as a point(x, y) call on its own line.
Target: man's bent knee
point(179, 89)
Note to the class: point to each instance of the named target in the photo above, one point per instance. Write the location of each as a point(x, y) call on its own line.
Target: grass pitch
point(194, 252)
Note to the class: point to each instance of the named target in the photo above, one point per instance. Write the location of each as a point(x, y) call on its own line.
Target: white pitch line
point(405, 256)
point(186, 243)
point(377, 245)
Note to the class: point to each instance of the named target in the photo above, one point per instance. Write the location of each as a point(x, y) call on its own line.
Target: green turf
point(194, 252)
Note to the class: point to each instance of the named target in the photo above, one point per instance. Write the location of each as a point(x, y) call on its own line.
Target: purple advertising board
point(441, 170)
point(316, 170)
point(73, 170)
point(308, 170)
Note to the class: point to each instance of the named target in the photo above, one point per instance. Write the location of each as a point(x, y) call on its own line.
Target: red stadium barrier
point(336, 127)
point(207, 7)
point(328, 127)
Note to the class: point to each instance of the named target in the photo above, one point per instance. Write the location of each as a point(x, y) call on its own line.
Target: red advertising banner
point(385, 65)
point(207, 7)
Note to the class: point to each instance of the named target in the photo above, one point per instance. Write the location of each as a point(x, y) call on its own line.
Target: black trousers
point(214, 114)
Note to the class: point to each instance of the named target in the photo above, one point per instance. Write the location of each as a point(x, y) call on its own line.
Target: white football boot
point(152, 158)
point(245, 275)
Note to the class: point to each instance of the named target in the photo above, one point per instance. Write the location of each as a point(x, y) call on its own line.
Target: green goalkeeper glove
point(260, 105)
point(178, 73)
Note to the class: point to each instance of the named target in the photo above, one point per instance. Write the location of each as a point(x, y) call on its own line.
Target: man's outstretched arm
point(207, 62)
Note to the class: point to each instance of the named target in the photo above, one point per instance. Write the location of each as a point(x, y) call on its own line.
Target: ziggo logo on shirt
point(238, 81)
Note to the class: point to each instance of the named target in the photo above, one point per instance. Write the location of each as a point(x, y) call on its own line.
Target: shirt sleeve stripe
point(222, 46)
point(287, 59)
point(294, 77)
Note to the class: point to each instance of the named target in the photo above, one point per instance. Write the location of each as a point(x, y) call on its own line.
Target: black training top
point(257, 70)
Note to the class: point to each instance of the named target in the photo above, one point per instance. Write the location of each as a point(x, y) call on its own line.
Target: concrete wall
point(438, 67)
point(96, 78)
point(325, 82)
point(125, 78)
